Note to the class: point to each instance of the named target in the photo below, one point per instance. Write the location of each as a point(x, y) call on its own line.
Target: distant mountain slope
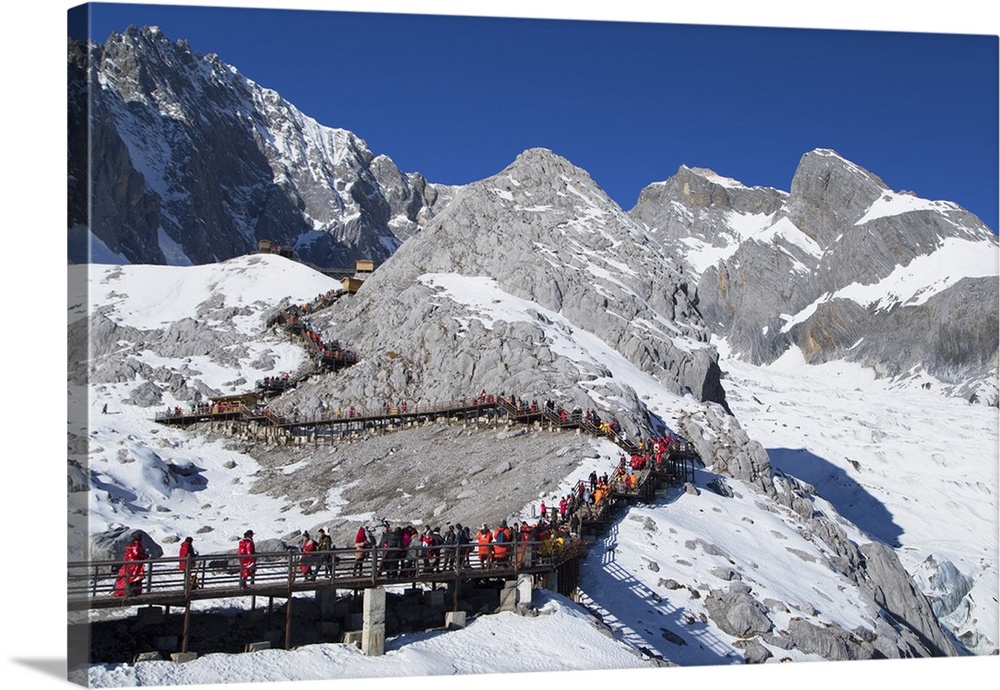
point(842, 267)
point(193, 162)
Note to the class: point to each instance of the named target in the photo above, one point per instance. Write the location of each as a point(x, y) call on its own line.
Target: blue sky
point(457, 98)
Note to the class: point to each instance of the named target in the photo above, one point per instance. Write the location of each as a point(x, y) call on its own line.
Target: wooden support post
point(187, 622)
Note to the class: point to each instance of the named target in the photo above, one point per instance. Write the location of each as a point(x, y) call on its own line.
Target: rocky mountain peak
point(567, 265)
point(841, 267)
point(197, 163)
point(829, 192)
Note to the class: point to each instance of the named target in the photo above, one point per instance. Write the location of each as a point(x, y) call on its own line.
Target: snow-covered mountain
point(193, 163)
point(799, 546)
point(841, 267)
point(782, 333)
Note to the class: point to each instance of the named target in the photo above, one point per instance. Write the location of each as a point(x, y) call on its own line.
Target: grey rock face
point(540, 232)
point(194, 163)
point(691, 208)
point(753, 651)
point(828, 641)
point(726, 448)
point(894, 590)
point(829, 194)
point(775, 270)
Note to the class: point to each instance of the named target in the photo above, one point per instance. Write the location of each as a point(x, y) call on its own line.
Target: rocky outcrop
point(895, 592)
point(737, 612)
point(694, 211)
point(831, 642)
point(726, 448)
point(906, 624)
point(110, 545)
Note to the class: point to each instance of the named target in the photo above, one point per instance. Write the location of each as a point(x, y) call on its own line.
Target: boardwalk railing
point(92, 584)
point(677, 463)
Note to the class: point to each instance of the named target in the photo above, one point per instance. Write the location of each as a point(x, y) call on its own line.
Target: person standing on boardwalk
point(394, 554)
point(485, 538)
point(426, 550)
point(129, 581)
point(501, 539)
point(462, 539)
point(360, 550)
point(248, 562)
point(324, 545)
point(187, 555)
point(449, 544)
point(308, 562)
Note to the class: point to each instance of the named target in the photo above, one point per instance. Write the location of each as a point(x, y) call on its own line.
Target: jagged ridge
point(194, 163)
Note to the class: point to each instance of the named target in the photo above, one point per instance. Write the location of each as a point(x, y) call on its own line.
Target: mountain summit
point(582, 282)
point(194, 163)
point(842, 267)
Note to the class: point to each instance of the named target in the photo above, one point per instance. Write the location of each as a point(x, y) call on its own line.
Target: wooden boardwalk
point(282, 575)
point(91, 584)
point(677, 463)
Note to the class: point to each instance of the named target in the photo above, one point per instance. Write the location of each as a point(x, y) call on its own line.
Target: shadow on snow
point(851, 499)
point(640, 617)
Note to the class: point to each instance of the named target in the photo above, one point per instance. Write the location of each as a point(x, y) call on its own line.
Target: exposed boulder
point(737, 612)
point(828, 641)
point(110, 545)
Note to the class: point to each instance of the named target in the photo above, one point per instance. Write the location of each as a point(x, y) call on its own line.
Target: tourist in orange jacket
point(485, 539)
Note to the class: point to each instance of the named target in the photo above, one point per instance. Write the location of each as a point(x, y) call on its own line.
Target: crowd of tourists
point(326, 353)
point(406, 551)
point(400, 552)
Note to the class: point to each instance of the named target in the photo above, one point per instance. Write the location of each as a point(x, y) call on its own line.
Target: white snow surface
point(148, 297)
point(701, 255)
point(896, 203)
point(901, 464)
point(912, 285)
point(908, 466)
point(563, 637)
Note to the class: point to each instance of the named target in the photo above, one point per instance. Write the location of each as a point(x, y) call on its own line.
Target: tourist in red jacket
point(248, 564)
point(361, 544)
point(130, 574)
point(308, 562)
point(186, 564)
